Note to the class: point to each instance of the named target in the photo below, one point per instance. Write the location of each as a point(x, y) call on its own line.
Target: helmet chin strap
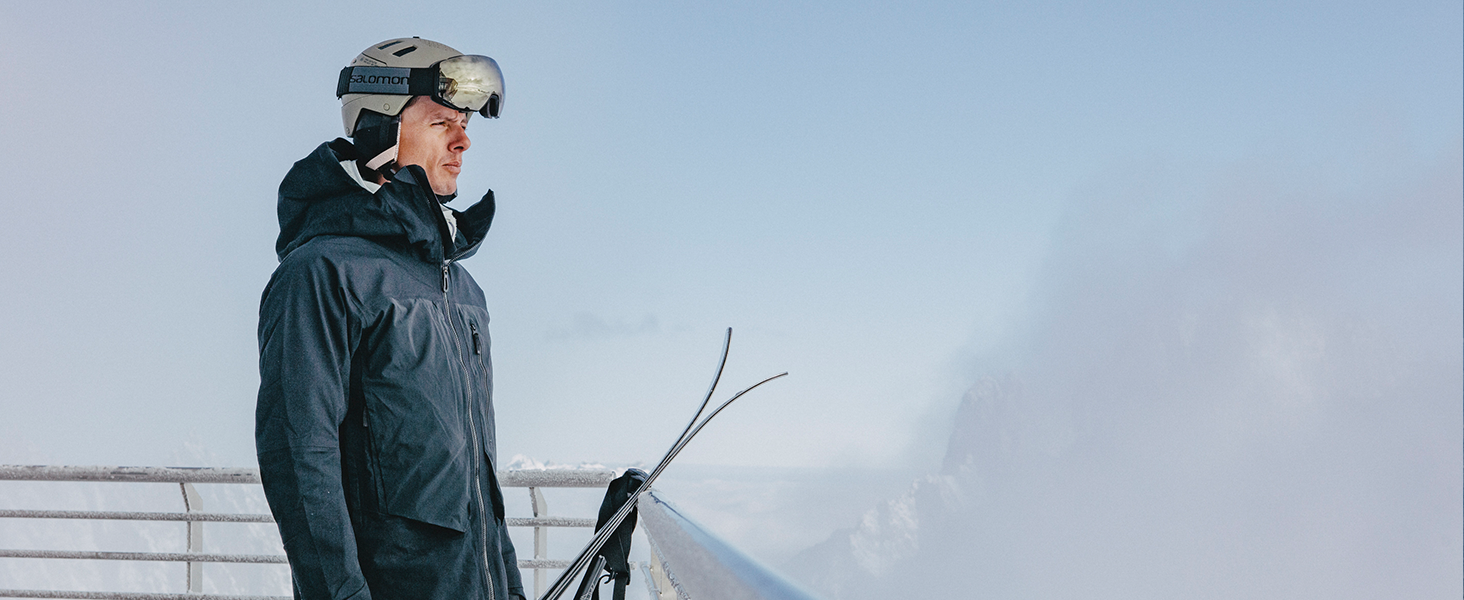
point(385, 163)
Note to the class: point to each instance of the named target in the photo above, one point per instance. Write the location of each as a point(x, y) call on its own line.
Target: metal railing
point(536, 481)
point(689, 563)
point(686, 561)
point(194, 515)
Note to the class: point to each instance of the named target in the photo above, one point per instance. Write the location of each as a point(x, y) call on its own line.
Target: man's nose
point(460, 141)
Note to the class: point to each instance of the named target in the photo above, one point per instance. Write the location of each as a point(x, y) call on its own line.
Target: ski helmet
point(379, 83)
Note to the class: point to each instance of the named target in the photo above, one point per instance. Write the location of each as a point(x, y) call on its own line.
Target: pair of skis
point(591, 550)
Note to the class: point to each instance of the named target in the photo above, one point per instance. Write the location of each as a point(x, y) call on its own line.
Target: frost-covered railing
point(689, 563)
point(195, 516)
point(686, 562)
point(536, 480)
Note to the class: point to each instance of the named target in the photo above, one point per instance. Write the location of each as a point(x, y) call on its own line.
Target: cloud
point(589, 326)
point(1235, 384)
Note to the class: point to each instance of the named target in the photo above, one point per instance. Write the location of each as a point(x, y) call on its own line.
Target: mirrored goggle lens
point(471, 82)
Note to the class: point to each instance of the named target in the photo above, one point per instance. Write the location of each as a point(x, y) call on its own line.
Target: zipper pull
point(477, 341)
point(444, 277)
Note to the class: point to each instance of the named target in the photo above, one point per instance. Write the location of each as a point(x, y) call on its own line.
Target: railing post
point(192, 503)
point(657, 583)
point(541, 538)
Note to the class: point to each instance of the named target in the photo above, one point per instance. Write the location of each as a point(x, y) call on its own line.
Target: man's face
point(434, 137)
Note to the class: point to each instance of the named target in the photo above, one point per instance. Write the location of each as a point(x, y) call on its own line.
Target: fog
point(1239, 383)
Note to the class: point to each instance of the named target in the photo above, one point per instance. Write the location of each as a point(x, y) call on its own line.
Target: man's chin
point(443, 183)
point(445, 189)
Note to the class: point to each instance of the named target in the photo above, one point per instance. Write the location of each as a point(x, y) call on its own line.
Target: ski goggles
point(470, 83)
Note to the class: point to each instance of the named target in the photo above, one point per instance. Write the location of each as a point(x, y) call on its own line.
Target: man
point(375, 427)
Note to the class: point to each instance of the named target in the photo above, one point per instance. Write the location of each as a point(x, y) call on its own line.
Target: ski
point(603, 534)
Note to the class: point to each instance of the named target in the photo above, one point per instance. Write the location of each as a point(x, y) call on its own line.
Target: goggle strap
point(398, 81)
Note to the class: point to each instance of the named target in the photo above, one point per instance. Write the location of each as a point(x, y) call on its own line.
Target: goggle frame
point(475, 80)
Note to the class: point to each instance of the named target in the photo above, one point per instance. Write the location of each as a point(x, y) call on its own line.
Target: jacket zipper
point(473, 428)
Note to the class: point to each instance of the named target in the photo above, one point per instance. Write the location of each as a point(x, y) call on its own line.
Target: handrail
point(105, 515)
point(137, 474)
point(126, 595)
point(189, 557)
point(690, 562)
point(510, 478)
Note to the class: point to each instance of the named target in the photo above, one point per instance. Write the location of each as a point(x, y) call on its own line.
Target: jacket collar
point(317, 198)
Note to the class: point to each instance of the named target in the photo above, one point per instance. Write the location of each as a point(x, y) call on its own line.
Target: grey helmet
point(379, 83)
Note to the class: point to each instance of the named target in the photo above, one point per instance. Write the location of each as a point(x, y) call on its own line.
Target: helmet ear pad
point(376, 136)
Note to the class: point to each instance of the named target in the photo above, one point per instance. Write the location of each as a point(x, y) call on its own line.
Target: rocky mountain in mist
point(1244, 386)
point(895, 538)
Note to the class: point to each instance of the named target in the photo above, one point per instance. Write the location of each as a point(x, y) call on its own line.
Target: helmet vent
point(405, 51)
point(388, 44)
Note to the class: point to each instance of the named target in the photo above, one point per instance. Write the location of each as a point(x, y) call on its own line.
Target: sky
point(890, 201)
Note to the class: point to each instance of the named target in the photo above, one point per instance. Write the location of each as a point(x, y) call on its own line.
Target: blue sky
point(870, 194)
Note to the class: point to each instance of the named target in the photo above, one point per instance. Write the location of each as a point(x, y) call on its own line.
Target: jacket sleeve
point(305, 346)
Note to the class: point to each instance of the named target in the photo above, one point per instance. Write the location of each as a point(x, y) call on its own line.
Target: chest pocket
point(417, 399)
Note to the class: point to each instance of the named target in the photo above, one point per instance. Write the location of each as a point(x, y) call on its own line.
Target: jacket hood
point(318, 198)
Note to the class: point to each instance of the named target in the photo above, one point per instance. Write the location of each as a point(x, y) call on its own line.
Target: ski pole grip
point(591, 581)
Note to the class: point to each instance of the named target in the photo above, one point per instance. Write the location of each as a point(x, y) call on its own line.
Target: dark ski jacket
point(374, 426)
